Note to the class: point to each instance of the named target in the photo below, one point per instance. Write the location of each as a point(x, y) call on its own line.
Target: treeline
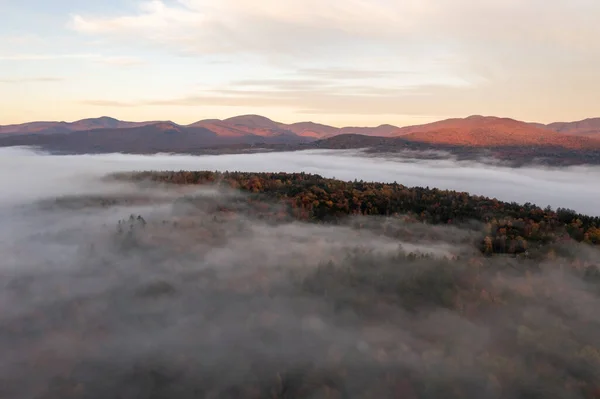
point(509, 227)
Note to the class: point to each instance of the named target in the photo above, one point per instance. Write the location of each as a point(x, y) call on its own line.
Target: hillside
point(246, 125)
point(196, 284)
point(317, 199)
point(221, 128)
point(485, 131)
point(316, 130)
point(238, 126)
point(477, 131)
point(509, 139)
point(587, 127)
point(103, 122)
point(311, 129)
point(158, 137)
point(260, 126)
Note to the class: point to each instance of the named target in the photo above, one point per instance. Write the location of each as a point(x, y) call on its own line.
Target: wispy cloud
point(496, 44)
point(46, 57)
point(124, 61)
point(121, 61)
point(264, 26)
point(20, 40)
point(291, 26)
point(425, 57)
point(282, 84)
point(347, 74)
point(311, 79)
point(31, 80)
point(307, 98)
point(106, 103)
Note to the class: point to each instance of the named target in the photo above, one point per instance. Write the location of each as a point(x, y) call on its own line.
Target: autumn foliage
point(508, 227)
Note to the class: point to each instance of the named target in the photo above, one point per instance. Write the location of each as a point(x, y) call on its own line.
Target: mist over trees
point(246, 285)
point(509, 227)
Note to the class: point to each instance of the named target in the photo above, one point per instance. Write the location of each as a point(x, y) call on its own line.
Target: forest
point(509, 228)
point(271, 285)
point(512, 319)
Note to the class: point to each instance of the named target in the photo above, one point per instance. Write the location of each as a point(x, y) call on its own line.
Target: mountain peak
point(249, 116)
point(256, 121)
point(99, 120)
point(165, 125)
point(103, 122)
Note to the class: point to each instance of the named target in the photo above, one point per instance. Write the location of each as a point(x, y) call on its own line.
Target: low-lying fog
point(27, 174)
point(181, 300)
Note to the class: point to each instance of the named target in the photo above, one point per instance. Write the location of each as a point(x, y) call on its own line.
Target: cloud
point(203, 26)
point(122, 61)
point(106, 103)
point(46, 57)
point(223, 27)
point(21, 40)
point(540, 186)
point(31, 80)
point(349, 74)
point(282, 84)
point(498, 49)
point(305, 96)
point(310, 79)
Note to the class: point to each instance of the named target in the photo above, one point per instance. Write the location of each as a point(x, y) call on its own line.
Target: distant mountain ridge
point(232, 127)
point(474, 131)
point(490, 131)
point(587, 127)
point(262, 126)
point(145, 138)
point(103, 122)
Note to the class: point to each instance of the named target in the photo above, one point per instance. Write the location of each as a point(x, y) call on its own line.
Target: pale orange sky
point(341, 62)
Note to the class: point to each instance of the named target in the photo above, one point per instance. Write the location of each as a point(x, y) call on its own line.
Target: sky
point(340, 62)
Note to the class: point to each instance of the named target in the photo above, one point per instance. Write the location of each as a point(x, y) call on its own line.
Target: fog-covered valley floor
point(112, 289)
point(29, 174)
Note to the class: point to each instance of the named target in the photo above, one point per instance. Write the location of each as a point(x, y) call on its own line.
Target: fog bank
point(118, 290)
point(29, 174)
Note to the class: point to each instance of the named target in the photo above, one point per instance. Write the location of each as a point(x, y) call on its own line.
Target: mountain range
point(65, 127)
point(108, 134)
point(233, 127)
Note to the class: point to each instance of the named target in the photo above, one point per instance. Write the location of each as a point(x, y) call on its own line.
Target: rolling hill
point(240, 126)
point(111, 135)
point(103, 122)
point(153, 138)
point(488, 131)
point(260, 126)
point(587, 127)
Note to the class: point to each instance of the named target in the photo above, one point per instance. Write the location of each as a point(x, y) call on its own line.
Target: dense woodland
point(292, 286)
point(486, 325)
point(509, 228)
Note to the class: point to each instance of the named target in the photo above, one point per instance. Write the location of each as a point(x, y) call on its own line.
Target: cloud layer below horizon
point(338, 62)
point(33, 176)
